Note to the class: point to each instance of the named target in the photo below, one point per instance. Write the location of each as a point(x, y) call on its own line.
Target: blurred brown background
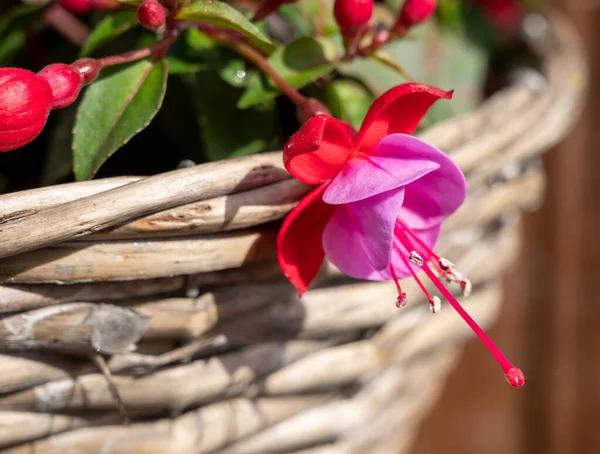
point(550, 323)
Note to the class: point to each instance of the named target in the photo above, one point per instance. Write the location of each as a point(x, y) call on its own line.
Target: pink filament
point(513, 375)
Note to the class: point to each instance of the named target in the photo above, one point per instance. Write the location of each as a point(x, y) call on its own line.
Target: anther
point(445, 264)
point(415, 258)
point(435, 304)
point(402, 300)
point(466, 287)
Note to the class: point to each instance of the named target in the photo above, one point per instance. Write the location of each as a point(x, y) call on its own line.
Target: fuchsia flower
point(381, 200)
point(504, 14)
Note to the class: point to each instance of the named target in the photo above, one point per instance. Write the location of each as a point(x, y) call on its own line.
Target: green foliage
point(301, 62)
point(219, 102)
point(110, 28)
point(225, 130)
point(113, 110)
point(13, 29)
point(221, 14)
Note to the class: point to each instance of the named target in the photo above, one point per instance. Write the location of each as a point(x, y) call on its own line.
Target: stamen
point(513, 375)
point(435, 304)
point(414, 275)
point(445, 264)
point(415, 258)
point(402, 300)
point(466, 287)
point(424, 248)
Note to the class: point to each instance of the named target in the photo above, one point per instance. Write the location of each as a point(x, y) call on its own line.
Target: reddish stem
point(156, 50)
point(66, 24)
point(261, 62)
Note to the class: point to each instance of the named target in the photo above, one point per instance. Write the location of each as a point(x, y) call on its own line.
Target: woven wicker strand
point(172, 279)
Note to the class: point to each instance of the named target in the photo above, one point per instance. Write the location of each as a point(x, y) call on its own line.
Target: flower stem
point(156, 50)
point(66, 24)
point(261, 62)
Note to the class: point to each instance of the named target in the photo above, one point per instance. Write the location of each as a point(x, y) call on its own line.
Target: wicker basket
point(169, 284)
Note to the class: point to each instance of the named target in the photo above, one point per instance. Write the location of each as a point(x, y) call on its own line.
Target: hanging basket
point(169, 283)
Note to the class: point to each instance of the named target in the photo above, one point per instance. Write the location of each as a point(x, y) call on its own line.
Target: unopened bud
point(414, 12)
point(25, 102)
point(152, 15)
point(352, 15)
point(65, 82)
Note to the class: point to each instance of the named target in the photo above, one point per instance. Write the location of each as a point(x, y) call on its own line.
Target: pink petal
point(358, 237)
point(398, 160)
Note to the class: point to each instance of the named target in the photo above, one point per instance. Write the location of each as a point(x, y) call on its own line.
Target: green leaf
point(301, 62)
point(110, 28)
point(179, 65)
point(293, 14)
point(383, 57)
point(222, 15)
point(188, 54)
point(13, 28)
point(195, 51)
point(321, 14)
point(227, 131)
point(449, 15)
point(131, 2)
point(113, 110)
point(349, 100)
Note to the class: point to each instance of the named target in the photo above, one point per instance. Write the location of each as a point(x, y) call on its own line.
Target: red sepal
point(299, 244)
point(398, 110)
point(317, 152)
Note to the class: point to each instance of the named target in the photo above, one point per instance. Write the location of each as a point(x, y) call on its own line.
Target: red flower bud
point(88, 68)
point(25, 101)
point(152, 15)
point(504, 14)
point(77, 6)
point(414, 12)
point(65, 82)
point(352, 15)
